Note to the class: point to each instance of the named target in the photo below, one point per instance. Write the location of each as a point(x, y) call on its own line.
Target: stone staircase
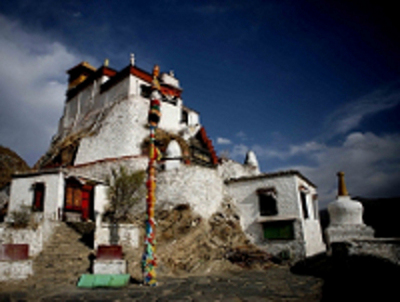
point(64, 258)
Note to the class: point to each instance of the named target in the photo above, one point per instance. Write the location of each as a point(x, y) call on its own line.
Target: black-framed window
point(38, 196)
point(267, 202)
point(303, 197)
point(184, 117)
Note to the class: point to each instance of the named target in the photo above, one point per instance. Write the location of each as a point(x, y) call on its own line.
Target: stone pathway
point(275, 284)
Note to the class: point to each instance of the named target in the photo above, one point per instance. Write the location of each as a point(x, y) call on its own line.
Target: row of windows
point(77, 196)
point(268, 204)
point(281, 230)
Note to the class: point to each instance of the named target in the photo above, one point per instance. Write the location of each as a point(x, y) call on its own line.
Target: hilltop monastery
point(104, 126)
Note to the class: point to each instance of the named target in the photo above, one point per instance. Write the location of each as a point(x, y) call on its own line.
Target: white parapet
point(115, 266)
point(15, 270)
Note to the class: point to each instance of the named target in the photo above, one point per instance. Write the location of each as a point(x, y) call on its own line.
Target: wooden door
point(86, 200)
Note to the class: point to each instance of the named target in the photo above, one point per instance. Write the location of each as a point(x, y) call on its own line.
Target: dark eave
point(38, 172)
point(97, 74)
point(116, 77)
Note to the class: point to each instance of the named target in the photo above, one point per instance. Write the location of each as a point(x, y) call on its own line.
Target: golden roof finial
point(342, 190)
point(106, 62)
point(156, 70)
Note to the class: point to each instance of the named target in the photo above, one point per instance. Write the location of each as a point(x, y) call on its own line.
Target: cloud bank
point(349, 117)
point(371, 162)
point(32, 69)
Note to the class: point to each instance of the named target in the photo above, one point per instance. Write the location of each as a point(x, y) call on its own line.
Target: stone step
point(64, 256)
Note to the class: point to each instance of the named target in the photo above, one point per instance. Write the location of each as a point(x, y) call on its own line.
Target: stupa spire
point(342, 190)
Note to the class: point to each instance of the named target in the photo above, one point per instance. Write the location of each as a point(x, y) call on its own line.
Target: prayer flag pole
point(149, 259)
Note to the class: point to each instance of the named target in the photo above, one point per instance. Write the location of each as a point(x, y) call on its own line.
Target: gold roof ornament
point(156, 71)
point(342, 190)
point(106, 62)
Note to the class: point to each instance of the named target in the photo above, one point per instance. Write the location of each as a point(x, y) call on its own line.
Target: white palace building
point(104, 126)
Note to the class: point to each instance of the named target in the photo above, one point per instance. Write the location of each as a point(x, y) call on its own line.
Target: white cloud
point(371, 164)
point(241, 135)
point(33, 84)
point(265, 152)
point(349, 117)
point(239, 152)
point(306, 148)
point(223, 141)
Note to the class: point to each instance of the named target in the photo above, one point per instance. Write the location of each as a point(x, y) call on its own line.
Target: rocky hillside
point(10, 162)
point(190, 245)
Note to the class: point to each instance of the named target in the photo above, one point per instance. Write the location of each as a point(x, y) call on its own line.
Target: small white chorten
point(345, 217)
point(173, 156)
point(251, 160)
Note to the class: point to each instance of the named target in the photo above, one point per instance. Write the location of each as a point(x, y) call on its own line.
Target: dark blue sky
point(311, 85)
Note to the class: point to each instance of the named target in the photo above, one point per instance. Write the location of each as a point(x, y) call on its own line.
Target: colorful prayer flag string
point(149, 258)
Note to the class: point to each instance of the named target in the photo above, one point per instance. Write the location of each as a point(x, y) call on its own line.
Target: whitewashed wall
point(311, 225)
point(35, 238)
point(23, 236)
point(232, 169)
point(200, 187)
point(135, 85)
point(244, 192)
point(86, 107)
point(170, 117)
point(99, 170)
point(121, 133)
point(15, 270)
point(21, 193)
point(21, 196)
point(306, 242)
point(100, 201)
point(128, 235)
point(193, 118)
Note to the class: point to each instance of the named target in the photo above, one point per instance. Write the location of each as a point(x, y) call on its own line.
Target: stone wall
point(293, 249)
point(15, 270)
point(380, 247)
point(200, 187)
point(121, 132)
point(85, 107)
point(128, 235)
point(98, 170)
point(23, 236)
point(35, 238)
point(231, 169)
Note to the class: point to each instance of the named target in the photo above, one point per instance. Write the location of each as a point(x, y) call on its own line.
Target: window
point(315, 204)
point(267, 202)
point(38, 196)
point(185, 117)
point(278, 230)
point(145, 91)
point(73, 198)
point(303, 197)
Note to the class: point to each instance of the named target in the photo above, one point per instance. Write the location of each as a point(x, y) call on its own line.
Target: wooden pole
point(149, 259)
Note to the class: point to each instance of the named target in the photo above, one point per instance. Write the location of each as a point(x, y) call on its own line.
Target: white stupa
point(173, 156)
point(345, 216)
point(251, 160)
